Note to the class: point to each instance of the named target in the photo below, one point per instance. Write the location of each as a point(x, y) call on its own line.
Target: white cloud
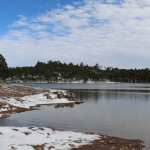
point(112, 34)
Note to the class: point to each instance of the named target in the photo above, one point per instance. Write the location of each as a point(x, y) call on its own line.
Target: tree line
point(55, 71)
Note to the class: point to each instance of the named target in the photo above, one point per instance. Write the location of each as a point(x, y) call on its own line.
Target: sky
point(114, 33)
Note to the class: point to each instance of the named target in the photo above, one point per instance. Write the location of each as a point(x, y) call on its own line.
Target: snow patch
point(34, 100)
point(26, 137)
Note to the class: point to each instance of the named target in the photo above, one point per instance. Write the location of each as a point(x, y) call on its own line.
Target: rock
point(20, 100)
point(70, 99)
point(68, 95)
point(78, 102)
point(72, 95)
point(61, 95)
point(48, 96)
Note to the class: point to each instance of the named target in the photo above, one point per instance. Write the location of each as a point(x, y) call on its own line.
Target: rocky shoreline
point(18, 98)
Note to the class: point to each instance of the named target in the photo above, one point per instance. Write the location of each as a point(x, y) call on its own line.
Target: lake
point(114, 109)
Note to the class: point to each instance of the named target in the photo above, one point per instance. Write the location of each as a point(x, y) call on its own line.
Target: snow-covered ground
point(27, 138)
point(49, 97)
point(33, 100)
point(73, 81)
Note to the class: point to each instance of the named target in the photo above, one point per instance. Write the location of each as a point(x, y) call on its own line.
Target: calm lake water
point(114, 109)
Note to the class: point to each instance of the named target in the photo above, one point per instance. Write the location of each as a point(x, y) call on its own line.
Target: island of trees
point(55, 71)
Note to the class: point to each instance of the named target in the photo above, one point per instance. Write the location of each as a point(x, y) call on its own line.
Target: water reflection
point(71, 105)
point(97, 95)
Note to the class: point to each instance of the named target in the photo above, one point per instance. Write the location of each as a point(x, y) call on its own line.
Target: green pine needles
point(3, 68)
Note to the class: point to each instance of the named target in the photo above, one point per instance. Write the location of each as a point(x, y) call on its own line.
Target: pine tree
point(3, 68)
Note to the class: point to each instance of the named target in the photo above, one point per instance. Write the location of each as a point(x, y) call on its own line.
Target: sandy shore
point(17, 98)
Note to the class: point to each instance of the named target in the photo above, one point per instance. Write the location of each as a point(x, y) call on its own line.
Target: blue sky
point(109, 32)
point(10, 9)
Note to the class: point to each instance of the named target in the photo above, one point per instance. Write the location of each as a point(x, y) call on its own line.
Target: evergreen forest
point(55, 71)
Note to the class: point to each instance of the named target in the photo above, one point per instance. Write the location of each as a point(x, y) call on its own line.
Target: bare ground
point(113, 143)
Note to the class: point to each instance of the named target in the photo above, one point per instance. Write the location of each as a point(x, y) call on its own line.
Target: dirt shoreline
point(18, 91)
point(106, 143)
point(115, 143)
